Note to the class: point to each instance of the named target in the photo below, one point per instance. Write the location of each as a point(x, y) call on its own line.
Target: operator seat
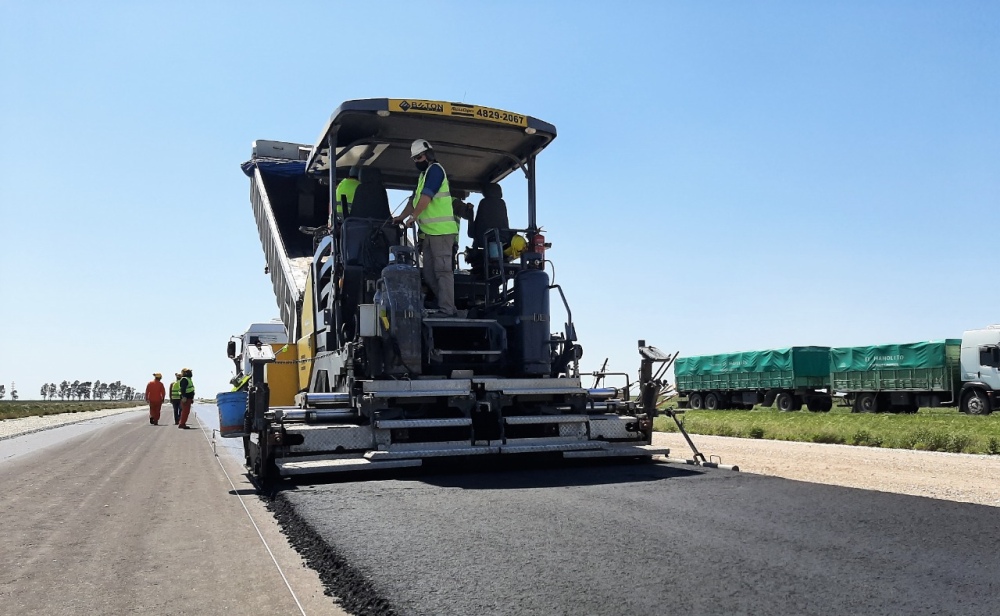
point(491, 214)
point(370, 198)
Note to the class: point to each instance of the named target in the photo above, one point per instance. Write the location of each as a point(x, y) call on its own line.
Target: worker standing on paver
point(187, 397)
point(155, 395)
point(175, 397)
point(431, 208)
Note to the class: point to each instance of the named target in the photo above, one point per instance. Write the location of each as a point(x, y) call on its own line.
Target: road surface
point(120, 517)
point(116, 516)
point(644, 539)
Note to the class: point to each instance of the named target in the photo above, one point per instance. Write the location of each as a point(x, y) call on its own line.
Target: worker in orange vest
point(155, 395)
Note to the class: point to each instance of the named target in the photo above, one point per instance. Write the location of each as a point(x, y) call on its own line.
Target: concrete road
point(121, 517)
point(642, 539)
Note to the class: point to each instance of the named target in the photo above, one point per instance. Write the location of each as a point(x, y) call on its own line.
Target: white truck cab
point(282, 375)
point(980, 365)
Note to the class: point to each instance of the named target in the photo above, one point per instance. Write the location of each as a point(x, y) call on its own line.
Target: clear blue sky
point(728, 175)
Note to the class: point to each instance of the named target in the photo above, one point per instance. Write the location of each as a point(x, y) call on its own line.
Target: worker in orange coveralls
point(155, 394)
point(187, 397)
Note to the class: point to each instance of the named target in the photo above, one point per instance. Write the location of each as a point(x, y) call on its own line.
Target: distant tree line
point(87, 390)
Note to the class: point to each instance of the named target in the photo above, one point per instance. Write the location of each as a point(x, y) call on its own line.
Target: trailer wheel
point(711, 402)
point(785, 402)
point(694, 401)
point(975, 403)
point(867, 403)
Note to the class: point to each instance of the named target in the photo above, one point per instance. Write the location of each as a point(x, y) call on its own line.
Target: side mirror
point(231, 349)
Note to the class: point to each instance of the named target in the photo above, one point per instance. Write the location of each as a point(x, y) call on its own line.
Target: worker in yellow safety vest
point(345, 191)
point(187, 397)
point(175, 397)
point(431, 208)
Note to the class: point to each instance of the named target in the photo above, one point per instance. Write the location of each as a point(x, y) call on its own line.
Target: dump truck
point(281, 378)
point(383, 381)
point(788, 378)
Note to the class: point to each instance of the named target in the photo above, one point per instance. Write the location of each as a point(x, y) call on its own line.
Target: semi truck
point(383, 382)
point(900, 378)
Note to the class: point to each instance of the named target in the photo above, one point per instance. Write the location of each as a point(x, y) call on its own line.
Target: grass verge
point(10, 409)
point(937, 429)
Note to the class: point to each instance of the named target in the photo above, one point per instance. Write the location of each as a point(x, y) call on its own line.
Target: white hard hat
point(418, 147)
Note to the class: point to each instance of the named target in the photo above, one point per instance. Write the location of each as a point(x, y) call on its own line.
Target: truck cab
point(980, 365)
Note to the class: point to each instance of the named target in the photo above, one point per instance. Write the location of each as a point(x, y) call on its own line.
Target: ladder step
point(544, 419)
point(395, 424)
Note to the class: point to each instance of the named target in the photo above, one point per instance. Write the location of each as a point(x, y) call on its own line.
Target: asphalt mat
point(637, 539)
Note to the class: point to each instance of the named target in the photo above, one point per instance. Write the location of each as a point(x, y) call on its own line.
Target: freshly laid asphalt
point(641, 539)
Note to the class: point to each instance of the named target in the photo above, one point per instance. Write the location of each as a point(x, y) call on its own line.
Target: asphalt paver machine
point(383, 381)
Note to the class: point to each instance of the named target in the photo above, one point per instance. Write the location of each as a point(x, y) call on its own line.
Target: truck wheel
point(975, 403)
point(711, 402)
point(867, 403)
point(785, 402)
point(694, 401)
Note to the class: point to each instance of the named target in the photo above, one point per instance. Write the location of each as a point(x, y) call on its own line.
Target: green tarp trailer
point(757, 376)
point(791, 368)
point(915, 367)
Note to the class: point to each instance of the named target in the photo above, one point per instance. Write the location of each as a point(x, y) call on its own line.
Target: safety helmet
point(157, 375)
point(418, 147)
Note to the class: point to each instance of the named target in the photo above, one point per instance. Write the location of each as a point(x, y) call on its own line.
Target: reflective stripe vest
point(175, 390)
point(438, 218)
point(346, 188)
point(189, 391)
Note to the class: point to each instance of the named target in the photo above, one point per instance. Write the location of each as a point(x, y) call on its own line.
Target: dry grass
point(10, 409)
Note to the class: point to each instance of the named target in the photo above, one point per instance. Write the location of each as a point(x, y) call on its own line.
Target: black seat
point(491, 214)
point(370, 198)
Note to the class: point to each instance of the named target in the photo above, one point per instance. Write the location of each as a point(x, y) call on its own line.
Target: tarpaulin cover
point(933, 354)
point(802, 361)
point(274, 166)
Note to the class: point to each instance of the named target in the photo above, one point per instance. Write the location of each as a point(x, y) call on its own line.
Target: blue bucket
point(232, 407)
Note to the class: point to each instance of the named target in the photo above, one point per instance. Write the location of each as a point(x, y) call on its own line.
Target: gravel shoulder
point(964, 478)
